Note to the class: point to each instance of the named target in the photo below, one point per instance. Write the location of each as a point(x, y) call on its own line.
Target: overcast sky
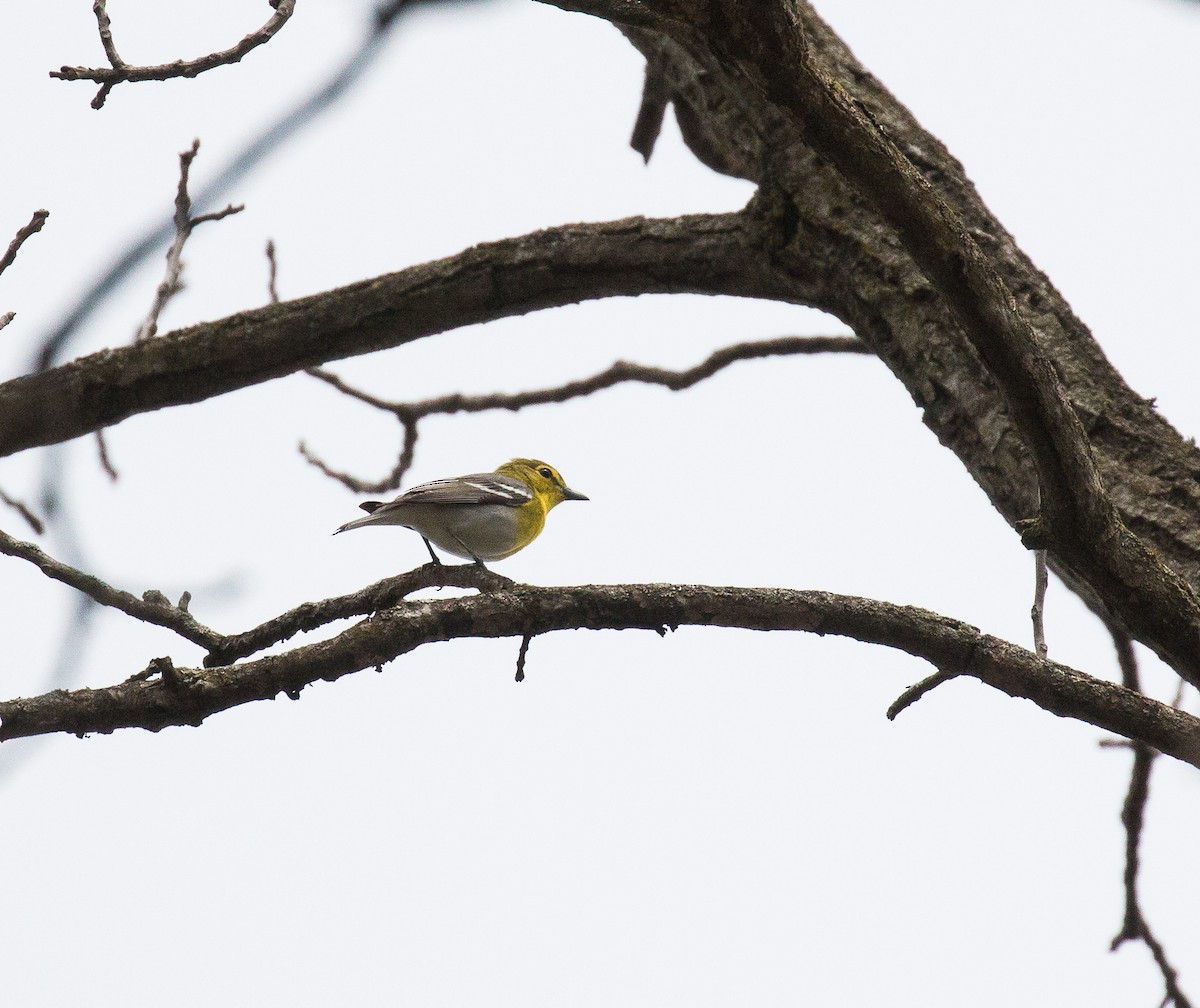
point(713, 818)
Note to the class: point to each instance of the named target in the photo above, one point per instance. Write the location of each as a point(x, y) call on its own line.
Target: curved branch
point(1005, 372)
point(153, 607)
point(702, 254)
point(411, 413)
point(1082, 527)
point(187, 696)
point(616, 374)
point(381, 595)
point(120, 71)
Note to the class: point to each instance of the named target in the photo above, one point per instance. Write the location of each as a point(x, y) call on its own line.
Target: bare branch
point(915, 692)
point(6, 318)
point(522, 654)
point(153, 607)
point(1133, 817)
point(655, 98)
point(323, 96)
point(1084, 530)
point(36, 222)
point(119, 71)
point(391, 481)
point(621, 371)
point(409, 414)
point(105, 461)
point(1041, 581)
point(772, 44)
point(272, 272)
point(185, 224)
point(373, 598)
point(25, 512)
point(707, 254)
point(527, 610)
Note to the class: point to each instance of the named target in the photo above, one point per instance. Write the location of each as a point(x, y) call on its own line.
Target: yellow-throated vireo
point(484, 516)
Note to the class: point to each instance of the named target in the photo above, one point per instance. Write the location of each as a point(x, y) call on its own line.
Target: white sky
point(715, 818)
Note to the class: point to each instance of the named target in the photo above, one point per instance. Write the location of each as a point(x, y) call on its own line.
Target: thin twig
point(185, 224)
point(291, 121)
point(1041, 580)
point(24, 511)
point(391, 481)
point(33, 227)
point(272, 272)
point(616, 374)
point(408, 414)
point(522, 654)
point(105, 461)
point(153, 607)
point(1133, 818)
point(6, 318)
point(914, 693)
point(119, 71)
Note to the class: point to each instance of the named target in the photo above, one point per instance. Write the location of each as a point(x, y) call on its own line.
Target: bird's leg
point(433, 556)
point(471, 553)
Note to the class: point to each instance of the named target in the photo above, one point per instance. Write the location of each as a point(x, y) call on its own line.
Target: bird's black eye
point(545, 471)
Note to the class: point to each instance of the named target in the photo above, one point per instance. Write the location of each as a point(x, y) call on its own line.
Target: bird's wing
point(478, 488)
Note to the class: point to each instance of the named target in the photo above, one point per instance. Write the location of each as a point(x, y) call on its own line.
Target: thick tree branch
point(380, 595)
point(191, 695)
point(943, 295)
point(704, 254)
point(119, 71)
point(1084, 530)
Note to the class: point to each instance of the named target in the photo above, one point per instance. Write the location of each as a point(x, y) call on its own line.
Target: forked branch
point(118, 71)
point(409, 414)
point(149, 701)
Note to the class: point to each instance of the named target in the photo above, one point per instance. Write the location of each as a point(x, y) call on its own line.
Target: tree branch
point(152, 607)
point(1134, 926)
point(1079, 520)
point(785, 100)
point(185, 224)
point(380, 595)
point(36, 223)
point(704, 254)
point(119, 71)
point(23, 509)
point(409, 414)
point(291, 121)
point(147, 701)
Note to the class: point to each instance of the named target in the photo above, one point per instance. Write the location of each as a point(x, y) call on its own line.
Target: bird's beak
point(569, 494)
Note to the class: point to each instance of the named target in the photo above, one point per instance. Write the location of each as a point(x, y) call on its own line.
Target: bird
point(479, 517)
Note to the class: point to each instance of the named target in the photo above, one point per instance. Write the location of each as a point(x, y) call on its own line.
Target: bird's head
point(545, 480)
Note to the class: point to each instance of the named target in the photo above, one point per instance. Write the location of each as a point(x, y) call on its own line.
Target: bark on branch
point(717, 254)
point(119, 71)
point(1009, 378)
point(154, 699)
